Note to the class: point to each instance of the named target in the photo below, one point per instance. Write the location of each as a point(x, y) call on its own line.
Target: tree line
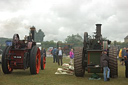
point(76, 40)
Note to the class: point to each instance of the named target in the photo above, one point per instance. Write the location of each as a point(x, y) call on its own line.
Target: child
point(71, 56)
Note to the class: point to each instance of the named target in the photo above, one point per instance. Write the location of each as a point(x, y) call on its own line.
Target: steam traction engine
point(22, 54)
point(88, 57)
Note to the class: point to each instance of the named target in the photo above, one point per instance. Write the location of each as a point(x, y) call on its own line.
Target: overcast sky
point(60, 18)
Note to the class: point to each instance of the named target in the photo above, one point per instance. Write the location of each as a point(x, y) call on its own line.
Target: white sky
point(60, 18)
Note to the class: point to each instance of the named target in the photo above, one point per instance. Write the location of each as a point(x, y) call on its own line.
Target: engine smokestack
point(98, 31)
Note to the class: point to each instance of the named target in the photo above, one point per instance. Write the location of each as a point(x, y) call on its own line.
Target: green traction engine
point(88, 57)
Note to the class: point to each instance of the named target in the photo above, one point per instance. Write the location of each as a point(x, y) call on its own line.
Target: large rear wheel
point(113, 64)
point(35, 60)
point(78, 62)
point(5, 61)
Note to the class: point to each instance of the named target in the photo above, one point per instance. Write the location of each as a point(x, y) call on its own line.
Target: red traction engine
point(22, 54)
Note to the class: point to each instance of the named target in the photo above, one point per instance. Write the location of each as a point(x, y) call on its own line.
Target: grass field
point(48, 77)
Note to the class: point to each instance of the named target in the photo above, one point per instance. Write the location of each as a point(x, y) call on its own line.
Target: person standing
point(104, 64)
point(71, 56)
point(54, 53)
point(60, 56)
point(120, 56)
point(126, 64)
point(123, 54)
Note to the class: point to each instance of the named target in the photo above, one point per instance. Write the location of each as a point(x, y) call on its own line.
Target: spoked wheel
point(78, 62)
point(5, 62)
point(43, 61)
point(35, 60)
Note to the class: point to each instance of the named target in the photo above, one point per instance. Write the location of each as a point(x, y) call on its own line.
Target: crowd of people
point(58, 55)
point(123, 58)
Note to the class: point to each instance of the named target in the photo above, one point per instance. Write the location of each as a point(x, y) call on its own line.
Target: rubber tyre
point(113, 64)
point(78, 62)
point(35, 60)
point(43, 61)
point(5, 63)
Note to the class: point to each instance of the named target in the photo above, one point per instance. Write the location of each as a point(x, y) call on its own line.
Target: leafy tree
point(77, 40)
point(47, 44)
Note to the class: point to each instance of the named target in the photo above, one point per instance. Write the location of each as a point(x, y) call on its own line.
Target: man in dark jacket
point(54, 53)
point(60, 56)
point(104, 64)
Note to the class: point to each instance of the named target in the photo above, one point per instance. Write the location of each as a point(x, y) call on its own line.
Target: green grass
point(48, 77)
